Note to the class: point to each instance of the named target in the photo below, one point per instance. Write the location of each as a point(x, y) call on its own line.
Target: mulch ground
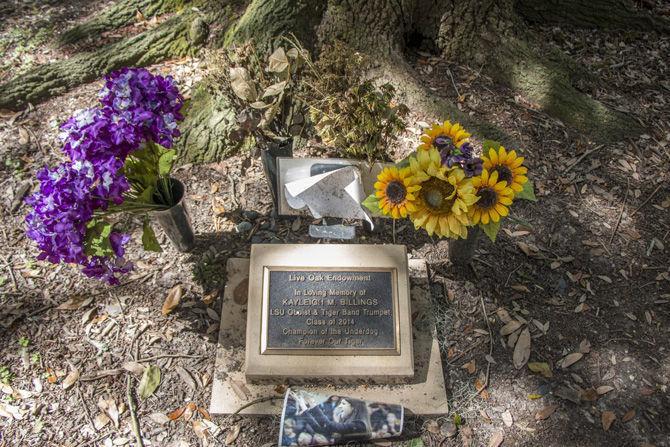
point(585, 270)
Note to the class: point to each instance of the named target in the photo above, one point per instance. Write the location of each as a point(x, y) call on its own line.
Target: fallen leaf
point(176, 414)
point(497, 439)
point(545, 412)
point(571, 359)
point(189, 410)
point(210, 297)
point(186, 377)
point(541, 368)
point(584, 346)
point(133, 367)
point(589, 395)
point(232, 434)
point(470, 366)
point(520, 288)
point(604, 389)
point(432, 426)
point(607, 419)
point(100, 421)
point(75, 302)
point(159, 418)
point(173, 298)
point(109, 407)
point(200, 430)
point(479, 386)
point(507, 418)
point(71, 379)
point(204, 413)
point(151, 378)
point(630, 414)
point(510, 327)
point(522, 349)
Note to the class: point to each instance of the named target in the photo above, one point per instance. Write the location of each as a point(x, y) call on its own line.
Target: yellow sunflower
point(445, 197)
point(508, 166)
point(443, 133)
point(494, 198)
point(395, 190)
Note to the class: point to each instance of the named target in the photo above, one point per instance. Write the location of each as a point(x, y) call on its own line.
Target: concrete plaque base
point(425, 394)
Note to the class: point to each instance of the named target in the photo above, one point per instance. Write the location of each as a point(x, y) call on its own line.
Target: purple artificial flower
point(472, 167)
point(137, 107)
point(106, 269)
point(97, 135)
point(151, 102)
point(462, 157)
point(61, 209)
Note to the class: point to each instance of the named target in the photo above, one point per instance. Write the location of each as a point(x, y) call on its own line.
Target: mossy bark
point(120, 14)
point(207, 128)
point(169, 39)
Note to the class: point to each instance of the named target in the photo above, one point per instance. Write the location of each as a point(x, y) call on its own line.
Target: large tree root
point(118, 15)
point(169, 39)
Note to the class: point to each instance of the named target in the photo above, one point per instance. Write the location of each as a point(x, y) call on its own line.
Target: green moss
point(206, 129)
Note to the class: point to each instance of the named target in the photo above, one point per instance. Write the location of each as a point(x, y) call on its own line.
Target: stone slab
point(280, 271)
point(425, 395)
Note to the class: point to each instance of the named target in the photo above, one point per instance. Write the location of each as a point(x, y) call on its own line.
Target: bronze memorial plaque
point(330, 311)
point(323, 312)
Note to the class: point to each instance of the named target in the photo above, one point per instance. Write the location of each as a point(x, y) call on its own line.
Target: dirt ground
point(585, 269)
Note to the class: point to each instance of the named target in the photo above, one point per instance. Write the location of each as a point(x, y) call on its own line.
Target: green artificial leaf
point(149, 382)
point(165, 162)
point(147, 196)
point(491, 229)
point(149, 240)
point(97, 242)
point(458, 420)
point(489, 144)
point(527, 193)
point(371, 202)
point(416, 442)
point(405, 161)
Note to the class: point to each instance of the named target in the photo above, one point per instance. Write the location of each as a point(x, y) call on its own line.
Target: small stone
point(243, 227)
point(448, 429)
point(250, 215)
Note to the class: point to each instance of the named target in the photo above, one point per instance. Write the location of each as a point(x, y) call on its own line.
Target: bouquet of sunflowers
point(444, 188)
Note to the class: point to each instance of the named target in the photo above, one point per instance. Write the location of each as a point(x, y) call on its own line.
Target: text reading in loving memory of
point(331, 311)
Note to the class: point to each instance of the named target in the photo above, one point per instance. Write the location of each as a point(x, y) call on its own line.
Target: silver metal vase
point(176, 221)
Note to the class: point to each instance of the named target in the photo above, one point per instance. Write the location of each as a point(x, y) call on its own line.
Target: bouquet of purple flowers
point(119, 161)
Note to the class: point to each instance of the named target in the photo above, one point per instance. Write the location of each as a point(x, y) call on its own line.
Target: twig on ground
point(86, 412)
point(254, 402)
point(171, 356)
point(646, 201)
point(453, 83)
point(101, 375)
point(134, 421)
point(488, 364)
point(623, 206)
point(11, 273)
point(136, 337)
point(582, 157)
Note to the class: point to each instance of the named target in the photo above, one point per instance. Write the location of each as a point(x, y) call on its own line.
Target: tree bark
point(120, 14)
point(487, 33)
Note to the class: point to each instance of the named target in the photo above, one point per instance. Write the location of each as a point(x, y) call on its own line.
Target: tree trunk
point(487, 33)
